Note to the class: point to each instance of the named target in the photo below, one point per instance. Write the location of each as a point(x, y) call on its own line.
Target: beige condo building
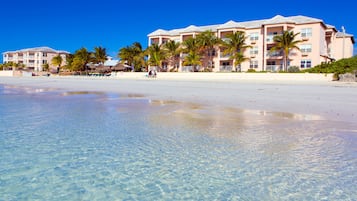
point(35, 58)
point(320, 42)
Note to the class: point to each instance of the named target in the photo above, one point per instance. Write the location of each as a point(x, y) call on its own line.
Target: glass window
point(305, 63)
point(253, 64)
point(306, 48)
point(254, 50)
point(306, 32)
point(254, 36)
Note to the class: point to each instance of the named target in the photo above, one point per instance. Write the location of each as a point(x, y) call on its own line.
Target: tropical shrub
point(341, 66)
point(293, 69)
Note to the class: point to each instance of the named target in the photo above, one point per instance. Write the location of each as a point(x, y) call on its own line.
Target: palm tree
point(57, 61)
point(191, 49)
point(81, 58)
point(207, 42)
point(192, 59)
point(172, 49)
point(100, 55)
point(285, 43)
point(190, 45)
point(133, 55)
point(156, 55)
point(235, 47)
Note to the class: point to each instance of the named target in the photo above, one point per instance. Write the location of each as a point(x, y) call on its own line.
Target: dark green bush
point(337, 67)
point(293, 69)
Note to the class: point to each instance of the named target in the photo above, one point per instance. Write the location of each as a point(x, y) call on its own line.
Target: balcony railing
point(274, 68)
point(274, 54)
point(222, 55)
point(225, 68)
point(270, 38)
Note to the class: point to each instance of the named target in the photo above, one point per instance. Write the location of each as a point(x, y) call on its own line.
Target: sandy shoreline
point(332, 100)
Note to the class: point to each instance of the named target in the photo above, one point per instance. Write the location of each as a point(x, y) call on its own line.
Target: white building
point(320, 42)
point(34, 58)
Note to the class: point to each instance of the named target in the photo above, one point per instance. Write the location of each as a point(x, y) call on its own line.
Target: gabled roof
point(278, 19)
point(230, 24)
point(341, 35)
point(159, 32)
point(252, 24)
point(111, 62)
point(191, 28)
point(299, 19)
point(39, 49)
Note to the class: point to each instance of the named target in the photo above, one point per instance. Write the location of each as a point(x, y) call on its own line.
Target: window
point(254, 50)
point(306, 32)
point(305, 63)
point(253, 64)
point(305, 48)
point(44, 61)
point(44, 54)
point(212, 52)
point(254, 36)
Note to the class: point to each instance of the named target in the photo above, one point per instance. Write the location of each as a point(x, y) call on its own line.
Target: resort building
point(319, 42)
point(35, 58)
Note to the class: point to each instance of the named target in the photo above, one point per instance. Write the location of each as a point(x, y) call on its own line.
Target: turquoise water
point(57, 145)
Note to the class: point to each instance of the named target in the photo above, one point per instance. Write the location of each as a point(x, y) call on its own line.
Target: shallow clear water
point(57, 145)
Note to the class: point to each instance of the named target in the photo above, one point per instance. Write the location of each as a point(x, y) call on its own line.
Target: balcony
point(274, 54)
point(273, 68)
point(225, 68)
point(270, 39)
point(224, 56)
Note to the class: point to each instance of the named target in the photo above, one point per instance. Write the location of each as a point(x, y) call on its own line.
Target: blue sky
point(113, 24)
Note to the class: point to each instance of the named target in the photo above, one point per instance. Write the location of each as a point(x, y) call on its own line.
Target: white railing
point(270, 38)
point(274, 54)
point(273, 68)
point(187, 69)
point(225, 68)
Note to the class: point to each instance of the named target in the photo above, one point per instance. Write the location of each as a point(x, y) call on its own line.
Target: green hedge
point(338, 67)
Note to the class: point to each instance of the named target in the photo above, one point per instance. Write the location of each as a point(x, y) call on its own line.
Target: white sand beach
point(306, 95)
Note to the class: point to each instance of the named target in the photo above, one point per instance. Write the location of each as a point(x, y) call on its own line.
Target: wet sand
point(306, 99)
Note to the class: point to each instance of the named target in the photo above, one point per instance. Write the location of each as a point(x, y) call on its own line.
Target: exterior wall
point(339, 43)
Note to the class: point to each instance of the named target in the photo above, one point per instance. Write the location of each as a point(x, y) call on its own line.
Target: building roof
point(230, 24)
point(38, 49)
point(341, 35)
point(278, 19)
point(111, 62)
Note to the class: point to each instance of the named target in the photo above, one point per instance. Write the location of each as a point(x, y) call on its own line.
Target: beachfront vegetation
point(156, 55)
point(235, 46)
point(11, 65)
point(285, 43)
point(341, 66)
point(78, 61)
point(207, 42)
point(99, 55)
point(190, 49)
point(172, 49)
point(133, 55)
point(57, 61)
